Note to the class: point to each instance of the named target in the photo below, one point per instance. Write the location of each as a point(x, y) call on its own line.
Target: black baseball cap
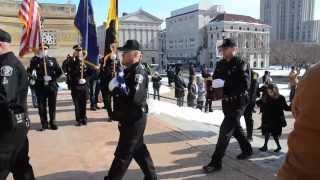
point(131, 45)
point(228, 43)
point(5, 36)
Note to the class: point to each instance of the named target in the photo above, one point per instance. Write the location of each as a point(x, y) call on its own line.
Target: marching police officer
point(47, 72)
point(78, 85)
point(233, 75)
point(131, 111)
point(14, 122)
point(106, 74)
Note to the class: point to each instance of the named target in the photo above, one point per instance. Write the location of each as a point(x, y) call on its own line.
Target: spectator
point(156, 82)
point(273, 105)
point(180, 86)
point(293, 81)
point(201, 92)
point(209, 95)
point(170, 74)
point(192, 92)
point(192, 71)
point(302, 161)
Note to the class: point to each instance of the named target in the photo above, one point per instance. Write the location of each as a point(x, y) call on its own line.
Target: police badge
point(5, 72)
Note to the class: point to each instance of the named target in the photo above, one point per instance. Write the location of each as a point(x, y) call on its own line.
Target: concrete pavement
point(83, 153)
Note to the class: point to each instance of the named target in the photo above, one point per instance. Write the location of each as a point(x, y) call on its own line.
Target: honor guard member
point(131, 111)
point(46, 86)
point(14, 123)
point(78, 85)
point(233, 75)
point(65, 65)
point(106, 75)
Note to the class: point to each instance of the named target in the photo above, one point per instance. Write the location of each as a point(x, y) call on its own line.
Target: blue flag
point(84, 21)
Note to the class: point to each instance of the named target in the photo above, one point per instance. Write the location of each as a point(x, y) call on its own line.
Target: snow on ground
point(163, 89)
point(277, 72)
point(187, 113)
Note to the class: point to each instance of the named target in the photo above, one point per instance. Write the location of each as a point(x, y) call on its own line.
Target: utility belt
point(134, 113)
point(234, 98)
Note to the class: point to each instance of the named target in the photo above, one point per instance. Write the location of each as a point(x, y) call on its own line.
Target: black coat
point(156, 82)
point(180, 85)
point(273, 118)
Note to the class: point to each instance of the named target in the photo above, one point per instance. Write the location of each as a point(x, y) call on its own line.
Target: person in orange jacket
point(303, 158)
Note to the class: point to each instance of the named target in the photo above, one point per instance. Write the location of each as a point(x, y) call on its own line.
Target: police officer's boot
point(53, 126)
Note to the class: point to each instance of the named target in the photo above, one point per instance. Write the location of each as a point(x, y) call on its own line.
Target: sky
point(162, 8)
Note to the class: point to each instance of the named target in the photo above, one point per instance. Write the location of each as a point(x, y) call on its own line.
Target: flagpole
point(42, 47)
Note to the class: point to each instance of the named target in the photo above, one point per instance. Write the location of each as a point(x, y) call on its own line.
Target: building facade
point(58, 27)
point(141, 26)
point(286, 17)
point(311, 32)
point(186, 40)
point(252, 37)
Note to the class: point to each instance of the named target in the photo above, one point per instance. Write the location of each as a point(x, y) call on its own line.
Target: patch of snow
point(186, 113)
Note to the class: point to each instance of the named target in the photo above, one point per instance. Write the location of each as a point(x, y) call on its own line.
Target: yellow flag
point(113, 14)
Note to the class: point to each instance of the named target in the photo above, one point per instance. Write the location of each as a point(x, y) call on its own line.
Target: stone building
point(186, 32)
point(58, 28)
point(141, 26)
point(252, 37)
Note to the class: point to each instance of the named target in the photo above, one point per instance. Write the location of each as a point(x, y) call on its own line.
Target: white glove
point(218, 83)
point(113, 84)
point(113, 56)
point(82, 81)
point(47, 78)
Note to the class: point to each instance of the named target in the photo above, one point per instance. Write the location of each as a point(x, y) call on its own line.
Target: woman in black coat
point(273, 106)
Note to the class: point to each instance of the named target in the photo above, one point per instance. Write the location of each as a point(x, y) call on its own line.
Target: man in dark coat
point(130, 89)
point(14, 123)
point(46, 87)
point(156, 83)
point(233, 75)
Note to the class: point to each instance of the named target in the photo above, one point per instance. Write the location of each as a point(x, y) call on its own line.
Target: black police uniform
point(79, 92)
point(64, 67)
point(236, 75)
point(252, 103)
point(94, 87)
point(14, 146)
point(131, 112)
point(46, 92)
point(106, 75)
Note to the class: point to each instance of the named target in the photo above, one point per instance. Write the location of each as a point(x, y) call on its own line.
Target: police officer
point(233, 75)
point(46, 86)
point(78, 85)
point(14, 123)
point(254, 86)
point(131, 112)
point(106, 74)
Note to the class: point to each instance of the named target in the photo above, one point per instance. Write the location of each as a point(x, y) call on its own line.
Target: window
point(262, 64)
point(248, 29)
point(231, 27)
point(255, 64)
point(211, 36)
point(49, 37)
point(240, 28)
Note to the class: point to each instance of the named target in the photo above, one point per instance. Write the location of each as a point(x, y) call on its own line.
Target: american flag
point(29, 16)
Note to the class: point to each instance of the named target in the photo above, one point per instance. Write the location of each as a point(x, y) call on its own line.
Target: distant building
point(311, 32)
point(186, 33)
point(58, 31)
point(142, 27)
point(286, 17)
point(163, 47)
point(252, 37)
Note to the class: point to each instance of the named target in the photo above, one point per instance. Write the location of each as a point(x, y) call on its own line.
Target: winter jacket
point(156, 81)
point(192, 94)
point(273, 119)
point(180, 85)
point(201, 91)
point(303, 158)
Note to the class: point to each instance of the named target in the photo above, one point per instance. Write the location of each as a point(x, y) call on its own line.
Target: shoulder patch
point(6, 71)
point(139, 78)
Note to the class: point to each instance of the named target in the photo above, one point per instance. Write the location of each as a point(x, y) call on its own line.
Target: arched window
point(231, 27)
point(255, 64)
point(248, 29)
point(240, 28)
point(262, 64)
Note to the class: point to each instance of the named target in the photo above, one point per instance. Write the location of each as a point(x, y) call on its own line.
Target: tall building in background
point(311, 32)
point(186, 33)
point(286, 17)
point(141, 26)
